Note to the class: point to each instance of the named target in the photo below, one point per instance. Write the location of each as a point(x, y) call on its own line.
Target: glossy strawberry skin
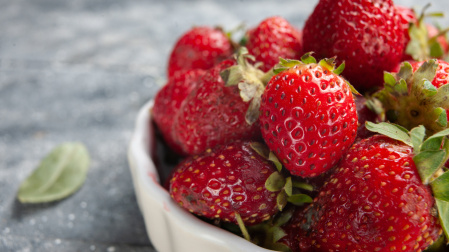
point(201, 47)
point(365, 34)
point(374, 202)
point(213, 114)
point(223, 181)
point(274, 37)
point(308, 119)
point(169, 99)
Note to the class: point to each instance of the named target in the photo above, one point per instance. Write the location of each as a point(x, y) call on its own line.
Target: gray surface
point(79, 71)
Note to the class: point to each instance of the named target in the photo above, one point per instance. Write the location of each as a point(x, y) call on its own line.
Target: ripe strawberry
point(409, 99)
point(226, 181)
point(366, 34)
point(308, 117)
point(274, 37)
point(213, 114)
point(169, 99)
point(374, 202)
point(201, 47)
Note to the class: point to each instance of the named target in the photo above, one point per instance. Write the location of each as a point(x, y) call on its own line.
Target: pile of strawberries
point(279, 146)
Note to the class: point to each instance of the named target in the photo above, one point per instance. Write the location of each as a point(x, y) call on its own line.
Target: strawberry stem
point(242, 226)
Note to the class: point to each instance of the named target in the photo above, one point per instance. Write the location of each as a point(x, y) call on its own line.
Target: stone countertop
point(79, 71)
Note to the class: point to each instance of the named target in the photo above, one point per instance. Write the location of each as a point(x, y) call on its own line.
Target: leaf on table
point(60, 174)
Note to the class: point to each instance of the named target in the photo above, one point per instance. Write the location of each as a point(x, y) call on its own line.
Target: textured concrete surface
point(79, 71)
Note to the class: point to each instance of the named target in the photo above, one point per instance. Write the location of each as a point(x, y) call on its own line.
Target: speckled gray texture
point(79, 71)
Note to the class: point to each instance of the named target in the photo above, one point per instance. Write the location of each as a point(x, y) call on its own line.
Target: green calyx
point(409, 98)
point(288, 188)
point(430, 156)
point(250, 80)
point(420, 46)
point(268, 234)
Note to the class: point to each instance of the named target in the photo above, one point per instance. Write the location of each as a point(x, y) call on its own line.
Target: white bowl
point(169, 227)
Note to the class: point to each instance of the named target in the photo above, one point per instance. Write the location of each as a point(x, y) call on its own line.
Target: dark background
point(79, 71)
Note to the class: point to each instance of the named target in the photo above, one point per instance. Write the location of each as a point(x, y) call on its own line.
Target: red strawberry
point(274, 37)
point(201, 47)
point(169, 99)
point(366, 34)
point(374, 202)
point(308, 117)
point(213, 114)
point(226, 181)
point(409, 99)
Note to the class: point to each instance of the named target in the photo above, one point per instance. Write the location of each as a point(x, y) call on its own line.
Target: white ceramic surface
point(169, 227)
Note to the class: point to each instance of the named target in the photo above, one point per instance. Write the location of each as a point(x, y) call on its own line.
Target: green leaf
point(429, 162)
point(428, 88)
point(289, 62)
point(272, 157)
point(283, 218)
point(442, 117)
point(281, 200)
point(252, 114)
point(302, 185)
point(260, 148)
point(443, 212)
point(439, 134)
point(436, 51)
point(328, 63)
point(352, 88)
point(60, 174)
point(401, 87)
point(426, 71)
point(278, 233)
point(440, 187)
point(288, 187)
point(340, 68)
point(432, 144)
point(275, 182)
point(300, 199)
point(307, 58)
point(406, 71)
point(417, 135)
point(280, 247)
point(389, 79)
point(442, 97)
point(391, 130)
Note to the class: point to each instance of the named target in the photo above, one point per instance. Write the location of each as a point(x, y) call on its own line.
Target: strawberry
point(375, 201)
point(213, 114)
point(201, 47)
point(366, 34)
point(169, 99)
point(417, 95)
point(308, 116)
point(226, 183)
point(274, 37)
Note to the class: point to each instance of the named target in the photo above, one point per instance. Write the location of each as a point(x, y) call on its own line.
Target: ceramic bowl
point(169, 227)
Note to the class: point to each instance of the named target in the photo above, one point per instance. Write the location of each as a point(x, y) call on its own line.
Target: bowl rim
point(145, 174)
